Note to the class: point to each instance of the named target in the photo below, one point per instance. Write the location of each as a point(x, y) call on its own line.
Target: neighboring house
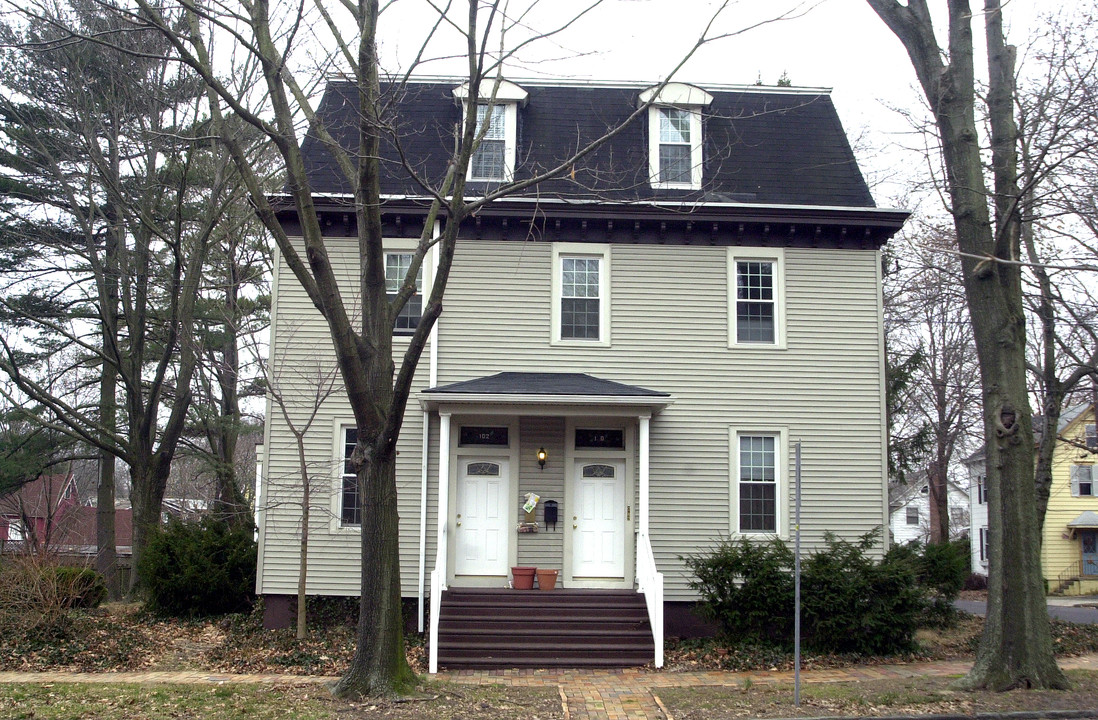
point(975, 465)
point(1069, 550)
point(32, 515)
point(1069, 543)
point(641, 342)
point(909, 510)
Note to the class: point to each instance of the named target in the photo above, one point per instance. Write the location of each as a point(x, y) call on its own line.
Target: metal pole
point(797, 583)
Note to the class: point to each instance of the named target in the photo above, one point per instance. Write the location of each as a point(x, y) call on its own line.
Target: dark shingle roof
point(767, 147)
point(532, 383)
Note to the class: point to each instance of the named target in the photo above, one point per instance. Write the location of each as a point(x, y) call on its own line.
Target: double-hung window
point(913, 516)
point(1091, 431)
point(489, 161)
point(1082, 480)
point(396, 269)
point(350, 504)
point(981, 490)
point(757, 482)
point(756, 297)
point(675, 151)
point(581, 293)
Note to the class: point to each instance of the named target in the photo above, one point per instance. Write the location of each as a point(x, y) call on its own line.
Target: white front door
point(480, 522)
point(598, 538)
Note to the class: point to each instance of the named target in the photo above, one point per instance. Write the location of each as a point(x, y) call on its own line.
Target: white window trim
point(776, 256)
point(510, 141)
point(781, 470)
point(339, 428)
point(696, 145)
point(601, 251)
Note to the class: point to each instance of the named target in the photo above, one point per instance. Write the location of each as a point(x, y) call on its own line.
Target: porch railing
point(1067, 577)
point(650, 584)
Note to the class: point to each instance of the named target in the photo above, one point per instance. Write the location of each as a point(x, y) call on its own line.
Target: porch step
point(499, 628)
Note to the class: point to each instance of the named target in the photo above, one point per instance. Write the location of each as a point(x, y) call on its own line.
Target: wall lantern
point(542, 457)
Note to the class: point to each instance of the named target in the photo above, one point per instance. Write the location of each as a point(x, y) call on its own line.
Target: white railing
point(437, 586)
point(650, 583)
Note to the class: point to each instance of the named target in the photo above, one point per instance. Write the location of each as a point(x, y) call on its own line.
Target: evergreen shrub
point(195, 569)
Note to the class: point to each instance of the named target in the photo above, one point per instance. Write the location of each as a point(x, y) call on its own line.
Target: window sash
point(913, 516)
point(489, 161)
point(755, 302)
point(350, 506)
point(758, 483)
point(675, 146)
point(580, 298)
point(396, 269)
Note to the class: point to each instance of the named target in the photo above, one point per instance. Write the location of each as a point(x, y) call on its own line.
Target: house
point(636, 346)
point(1069, 542)
point(32, 514)
point(909, 511)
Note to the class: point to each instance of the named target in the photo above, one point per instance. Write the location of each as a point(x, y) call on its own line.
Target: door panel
point(1088, 539)
point(598, 539)
point(480, 523)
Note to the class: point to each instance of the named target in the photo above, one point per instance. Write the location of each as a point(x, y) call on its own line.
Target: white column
point(443, 490)
point(644, 423)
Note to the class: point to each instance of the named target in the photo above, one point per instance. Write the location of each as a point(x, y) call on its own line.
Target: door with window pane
point(480, 521)
point(598, 534)
point(1088, 540)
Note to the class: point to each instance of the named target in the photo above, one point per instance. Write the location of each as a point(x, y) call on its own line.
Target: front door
point(598, 535)
point(1088, 539)
point(480, 522)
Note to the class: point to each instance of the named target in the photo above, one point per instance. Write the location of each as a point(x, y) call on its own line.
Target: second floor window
point(489, 162)
point(1082, 480)
point(1092, 436)
point(396, 269)
point(580, 301)
point(755, 316)
point(913, 516)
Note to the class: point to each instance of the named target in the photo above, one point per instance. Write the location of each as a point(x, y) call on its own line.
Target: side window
point(981, 490)
point(1092, 436)
point(350, 506)
point(1082, 480)
point(757, 483)
point(396, 269)
point(756, 300)
point(489, 162)
point(581, 294)
point(983, 544)
point(913, 516)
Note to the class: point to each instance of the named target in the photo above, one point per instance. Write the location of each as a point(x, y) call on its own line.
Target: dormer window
point(497, 115)
point(489, 161)
point(675, 141)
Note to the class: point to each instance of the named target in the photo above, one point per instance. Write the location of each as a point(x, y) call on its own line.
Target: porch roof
point(540, 388)
point(1086, 520)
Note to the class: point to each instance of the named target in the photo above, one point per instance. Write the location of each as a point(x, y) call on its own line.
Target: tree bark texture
point(1016, 647)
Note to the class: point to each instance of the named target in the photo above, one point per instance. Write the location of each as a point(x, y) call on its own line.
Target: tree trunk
point(379, 667)
point(147, 499)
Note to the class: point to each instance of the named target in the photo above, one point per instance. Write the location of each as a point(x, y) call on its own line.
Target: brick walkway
point(629, 694)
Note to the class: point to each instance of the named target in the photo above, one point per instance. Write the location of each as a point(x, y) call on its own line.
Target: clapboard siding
point(669, 332)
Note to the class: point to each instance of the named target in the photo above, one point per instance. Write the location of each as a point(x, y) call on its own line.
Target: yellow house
point(1069, 554)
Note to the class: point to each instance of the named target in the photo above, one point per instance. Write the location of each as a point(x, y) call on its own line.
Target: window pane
point(757, 508)
point(579, 318)
point(675, 163)
point(580, 302)
point(350, 507)
point(674, 126)
point(488, 161)
point(496, 126)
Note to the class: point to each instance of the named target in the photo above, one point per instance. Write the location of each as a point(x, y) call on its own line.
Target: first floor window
point(983, 544)
point(1082, 480)
point(350, 512)
point(580, 298)
point(396, 269)
point(913, 516)
point(758, 483)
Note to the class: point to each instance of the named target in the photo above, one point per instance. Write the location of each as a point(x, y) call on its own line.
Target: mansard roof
point(765, 146)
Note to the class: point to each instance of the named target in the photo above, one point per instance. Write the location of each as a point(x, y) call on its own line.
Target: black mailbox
point(550, 513)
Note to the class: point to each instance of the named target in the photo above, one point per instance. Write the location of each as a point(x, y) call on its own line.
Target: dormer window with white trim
point(494, 159)
point(675, 135)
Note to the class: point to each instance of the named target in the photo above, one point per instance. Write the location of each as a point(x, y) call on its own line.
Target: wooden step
point(498, 627)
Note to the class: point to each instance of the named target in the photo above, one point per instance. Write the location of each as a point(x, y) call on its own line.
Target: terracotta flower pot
point(523, 577)
point(547, 579)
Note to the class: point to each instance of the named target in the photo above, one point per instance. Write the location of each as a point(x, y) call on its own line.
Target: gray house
point(638, 344)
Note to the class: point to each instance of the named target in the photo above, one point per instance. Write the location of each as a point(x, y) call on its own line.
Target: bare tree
point(1016, 647)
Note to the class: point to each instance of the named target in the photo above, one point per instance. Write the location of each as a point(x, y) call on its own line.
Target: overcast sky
point(838, 44)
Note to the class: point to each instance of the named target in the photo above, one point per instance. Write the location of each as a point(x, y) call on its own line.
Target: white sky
point(840, 44)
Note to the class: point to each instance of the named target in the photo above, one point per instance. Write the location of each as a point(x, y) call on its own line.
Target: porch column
point(643, 470)
point(443, 491)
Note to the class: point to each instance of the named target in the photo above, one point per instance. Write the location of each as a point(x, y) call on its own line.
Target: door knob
point(574, 526)
point(459, 523)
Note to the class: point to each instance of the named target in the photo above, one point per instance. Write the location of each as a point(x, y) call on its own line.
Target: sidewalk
point(625, 694)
